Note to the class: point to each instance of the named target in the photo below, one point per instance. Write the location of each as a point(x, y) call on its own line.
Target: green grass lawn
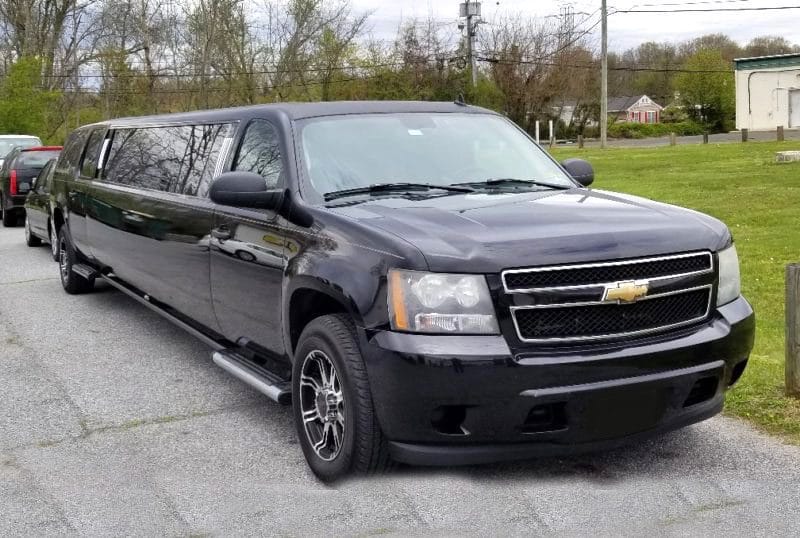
point(760, 202)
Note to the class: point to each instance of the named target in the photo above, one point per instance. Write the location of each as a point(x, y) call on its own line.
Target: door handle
point(222, 233)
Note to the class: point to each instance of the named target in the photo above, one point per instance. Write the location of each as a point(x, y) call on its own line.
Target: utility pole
point(471, 10)
point(470, 54)
point(604, 78)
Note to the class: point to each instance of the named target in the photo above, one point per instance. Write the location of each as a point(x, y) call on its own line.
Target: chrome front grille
point(599, 274)
point(568, 303)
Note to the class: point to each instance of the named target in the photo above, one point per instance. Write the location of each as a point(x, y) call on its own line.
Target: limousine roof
point(297, 111)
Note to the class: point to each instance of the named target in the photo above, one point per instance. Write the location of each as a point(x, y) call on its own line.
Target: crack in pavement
point(133, 424)
point(15, 282)
point(34, 359)
point(10, 466)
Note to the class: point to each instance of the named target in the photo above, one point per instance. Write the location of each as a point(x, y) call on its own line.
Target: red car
point(20, 168)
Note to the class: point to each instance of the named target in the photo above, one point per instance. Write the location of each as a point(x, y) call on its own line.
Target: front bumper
point(471, 399)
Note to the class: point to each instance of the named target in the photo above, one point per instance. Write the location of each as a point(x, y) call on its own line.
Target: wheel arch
point(308, 300)
point(57, 217)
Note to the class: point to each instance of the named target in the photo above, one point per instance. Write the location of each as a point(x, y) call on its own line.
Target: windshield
point(351, 152)
point(35, 159)
point(7, 144)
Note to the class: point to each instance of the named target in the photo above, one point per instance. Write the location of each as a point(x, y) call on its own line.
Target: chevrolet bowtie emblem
point(625, 292)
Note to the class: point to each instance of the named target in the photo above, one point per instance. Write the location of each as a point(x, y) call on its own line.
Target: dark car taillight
point(13, 182)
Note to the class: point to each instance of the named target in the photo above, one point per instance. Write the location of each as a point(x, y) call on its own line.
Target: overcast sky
point(625, 30)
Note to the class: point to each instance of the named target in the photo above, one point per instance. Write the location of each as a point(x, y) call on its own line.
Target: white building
point(768, 92)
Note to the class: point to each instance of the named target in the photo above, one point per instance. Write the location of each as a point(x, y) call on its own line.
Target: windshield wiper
point(393, 187)
point(494, 182)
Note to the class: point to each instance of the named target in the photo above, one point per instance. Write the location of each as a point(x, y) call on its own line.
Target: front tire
point(30, 239)
point(72, 282)
point(332, 402)
point(245, 256)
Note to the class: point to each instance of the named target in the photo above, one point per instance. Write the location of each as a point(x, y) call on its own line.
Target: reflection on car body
point(250, 244)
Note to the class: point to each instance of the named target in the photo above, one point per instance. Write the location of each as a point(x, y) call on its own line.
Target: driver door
point(247, 249)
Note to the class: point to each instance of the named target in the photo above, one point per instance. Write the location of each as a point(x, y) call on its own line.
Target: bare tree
point(39, 28)
point(222, 48)
point(531, 64)
point(307, 42)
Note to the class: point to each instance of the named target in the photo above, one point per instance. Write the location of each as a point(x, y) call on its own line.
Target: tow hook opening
point(449, 419)
point(703, 390)
point(543, 418)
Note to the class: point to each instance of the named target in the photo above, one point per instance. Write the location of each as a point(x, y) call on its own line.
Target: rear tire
point(8, 219)
point(30, 239)
point(329, 378)
point(72, 282)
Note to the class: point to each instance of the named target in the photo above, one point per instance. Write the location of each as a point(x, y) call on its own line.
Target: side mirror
point(244, 189)
point(580, 170)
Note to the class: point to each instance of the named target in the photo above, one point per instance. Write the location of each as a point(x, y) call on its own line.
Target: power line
point(504, 61)
point(666, 4)
point(180, 91)
point(217, 75)
point(560, 49)
point(484, 56)
point(707, 10)
point(574, 40)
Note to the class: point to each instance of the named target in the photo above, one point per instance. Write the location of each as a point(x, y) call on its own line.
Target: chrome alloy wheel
point(322, 405)
point(63, 261)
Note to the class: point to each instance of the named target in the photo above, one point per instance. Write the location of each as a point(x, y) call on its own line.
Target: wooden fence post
point(673, 139)
point(793, 330)
point(745, 132)
point(580, 141)
point(780, 133)
point(705, 138)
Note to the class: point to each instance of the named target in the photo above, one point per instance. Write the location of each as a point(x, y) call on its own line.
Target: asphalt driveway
point(113, 422)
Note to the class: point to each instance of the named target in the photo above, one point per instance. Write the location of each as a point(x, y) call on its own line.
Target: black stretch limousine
point(422, 281)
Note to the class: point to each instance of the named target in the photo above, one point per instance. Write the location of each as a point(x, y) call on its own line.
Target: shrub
point(654, 130)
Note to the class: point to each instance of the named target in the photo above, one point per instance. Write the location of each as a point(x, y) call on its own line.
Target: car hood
point(488, 232)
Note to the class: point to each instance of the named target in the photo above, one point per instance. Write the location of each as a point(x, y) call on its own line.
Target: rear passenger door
point(151, 220)
point(79, 189)
point(247, 249)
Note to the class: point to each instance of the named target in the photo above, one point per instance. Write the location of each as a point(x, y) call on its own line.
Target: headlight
point(440, 303)
point(729, 280)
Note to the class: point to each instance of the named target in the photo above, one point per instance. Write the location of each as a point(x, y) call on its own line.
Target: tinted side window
point(203, 144)
point(149, 158)
point(44, 178)
point(260, 152)
point(224, 134)
point(89, 164)
point(71, 155)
